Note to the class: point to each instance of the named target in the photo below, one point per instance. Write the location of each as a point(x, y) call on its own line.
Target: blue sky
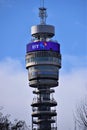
point(70, 20)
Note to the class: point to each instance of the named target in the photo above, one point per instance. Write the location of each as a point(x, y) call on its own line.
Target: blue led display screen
point(41, 45)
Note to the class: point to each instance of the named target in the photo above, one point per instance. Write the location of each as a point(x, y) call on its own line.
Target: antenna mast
point(42, 13)
point(42, 3)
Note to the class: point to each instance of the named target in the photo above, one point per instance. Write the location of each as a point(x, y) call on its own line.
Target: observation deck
point(37, 102)
point(44, 113)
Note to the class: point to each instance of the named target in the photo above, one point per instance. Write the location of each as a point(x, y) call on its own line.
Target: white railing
point(37, 100)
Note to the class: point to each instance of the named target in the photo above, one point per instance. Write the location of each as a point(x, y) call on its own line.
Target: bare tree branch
point(81, 114)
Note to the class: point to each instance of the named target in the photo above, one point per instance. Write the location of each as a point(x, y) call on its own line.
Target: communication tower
point(43, 61)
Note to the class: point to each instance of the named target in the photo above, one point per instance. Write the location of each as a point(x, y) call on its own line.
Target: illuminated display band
point(38, 46)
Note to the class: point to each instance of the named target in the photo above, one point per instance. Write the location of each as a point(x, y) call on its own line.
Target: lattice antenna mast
point(42, 13)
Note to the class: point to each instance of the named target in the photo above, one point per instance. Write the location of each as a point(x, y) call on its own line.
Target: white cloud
point(16, 96)
point(72, 88)
point(74, 62)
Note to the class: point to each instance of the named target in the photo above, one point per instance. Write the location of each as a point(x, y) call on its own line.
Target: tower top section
point(42, 31)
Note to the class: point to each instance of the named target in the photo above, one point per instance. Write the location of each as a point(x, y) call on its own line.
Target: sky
point(70, 20)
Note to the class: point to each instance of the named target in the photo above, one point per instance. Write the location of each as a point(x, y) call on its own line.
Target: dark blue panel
point(38, 46)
